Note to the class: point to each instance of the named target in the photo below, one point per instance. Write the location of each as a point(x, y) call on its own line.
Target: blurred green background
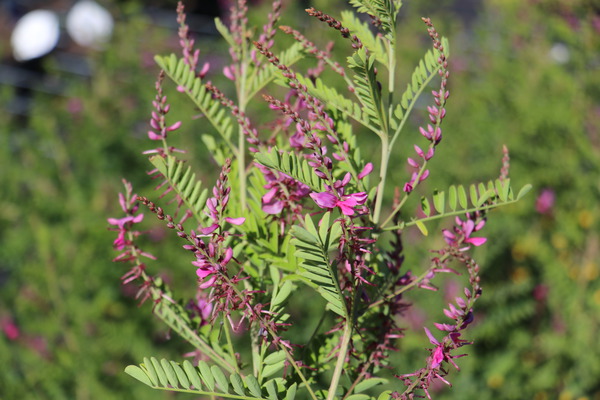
point(524, 73)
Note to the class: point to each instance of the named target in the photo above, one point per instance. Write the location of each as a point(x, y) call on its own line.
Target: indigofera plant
point(297, 208)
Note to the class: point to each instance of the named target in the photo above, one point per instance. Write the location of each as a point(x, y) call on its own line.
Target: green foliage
point(184, 183)
point(207, 380)
point(291, 164)
point(216, 114)
point(367, 89)
point(419, 80)
point(480, 198)
point(385, 12)
point(314, 247)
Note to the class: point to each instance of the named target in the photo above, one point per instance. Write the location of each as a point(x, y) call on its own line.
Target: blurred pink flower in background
point(545, 201)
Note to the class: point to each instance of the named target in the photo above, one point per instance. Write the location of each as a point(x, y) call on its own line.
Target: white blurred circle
point(35, 35)
point(89, 24)
point(560, 53)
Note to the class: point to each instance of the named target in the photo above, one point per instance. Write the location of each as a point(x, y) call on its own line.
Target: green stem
point(341, 360)
point(385, 156)
point(230, 343)
point(241, 137)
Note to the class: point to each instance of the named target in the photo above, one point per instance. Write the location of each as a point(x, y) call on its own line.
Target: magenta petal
point(445, 327)
point(228, 256)
point(174, 127)
point(432, 339)
point(324, 199)
point(366, 171)
point(476, 241)
point(154, 136)
point(208, 283)
point(468, 227)
point(269, 195)
point(346, 210)
point(203, 273)
point(438, 357)
point(209, 229)
point(360, 197)
point(273, 208)
point(236, 221)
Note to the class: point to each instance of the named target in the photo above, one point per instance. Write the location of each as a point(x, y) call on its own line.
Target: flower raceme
point(462, 233)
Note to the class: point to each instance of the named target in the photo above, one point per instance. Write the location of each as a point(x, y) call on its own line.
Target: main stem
point(341, 360)
point(241, 138)
point(382, 175)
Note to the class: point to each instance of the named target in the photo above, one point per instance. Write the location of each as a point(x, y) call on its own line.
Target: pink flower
point(10, 328)
point(462, 233)
point(545, 201)
point(437, 356)
point(346, 203)
point(123, 225)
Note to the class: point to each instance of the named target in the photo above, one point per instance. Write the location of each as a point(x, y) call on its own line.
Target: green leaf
point(237, 384)
point(206, 374)
point(474, 195)
point(220, 378)
point(170, 373)
point(360, 396)
point(304, 236)
point(253, 386)
point(181, 376)
point(452, 198)
point(524, 190)
point(425, 206)
point(283, 293)
point(291, 392)
point(462, 197)
point(151, 372)
point(162, 376)
point(385, 395)
point(483, 197)
point(422, 227)
point(192, 375)
point(439, 201)
point(368, 384)
point(271, 389)
point(224, 31)
point(139, 374)
point(274, 358)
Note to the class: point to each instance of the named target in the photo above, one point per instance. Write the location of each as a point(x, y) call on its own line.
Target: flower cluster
point(462, 231)
point(190, 55)
point(462, 316)
point(433, 132)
